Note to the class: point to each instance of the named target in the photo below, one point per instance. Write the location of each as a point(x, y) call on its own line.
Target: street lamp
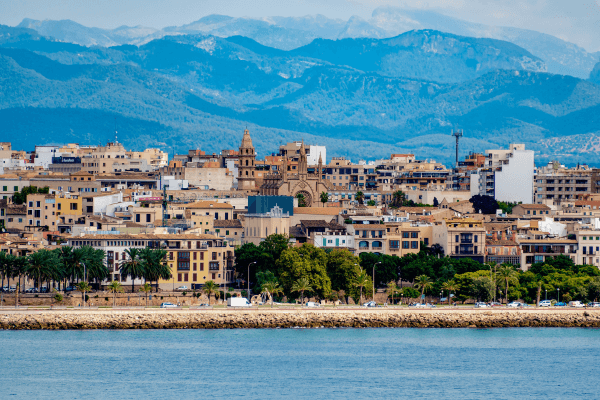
point(248, 277)
point(374, 279)
point(85, 280)
point(546, 294)
point(558, 291)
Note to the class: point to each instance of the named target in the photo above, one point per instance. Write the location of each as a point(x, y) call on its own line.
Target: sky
point(576, 21)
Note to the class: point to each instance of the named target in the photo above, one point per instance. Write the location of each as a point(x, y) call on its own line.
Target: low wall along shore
point(353, 318)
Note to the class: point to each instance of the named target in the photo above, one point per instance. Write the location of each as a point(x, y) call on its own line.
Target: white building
point(507, 176)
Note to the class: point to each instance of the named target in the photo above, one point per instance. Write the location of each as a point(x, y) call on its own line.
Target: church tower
point(247, 156)
point(302, 163)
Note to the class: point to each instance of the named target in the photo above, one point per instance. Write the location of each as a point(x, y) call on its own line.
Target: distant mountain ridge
point(292, 32)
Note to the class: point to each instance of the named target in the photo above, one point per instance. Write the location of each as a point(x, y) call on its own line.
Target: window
point(195, 256)
point(5, 188)
point(147, 217)
point(73, 206)
point(414, 244)
point(414, 235)
point(456, 238)
point(405, 235)
point(394, 244)
point(405, 244)
point(194, 277)
point(201, 266)
point(178, 277)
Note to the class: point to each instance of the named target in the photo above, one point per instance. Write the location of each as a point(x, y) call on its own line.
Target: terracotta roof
point(315, 224)
point(227, 223)
point(318, 210)
point(17, 209)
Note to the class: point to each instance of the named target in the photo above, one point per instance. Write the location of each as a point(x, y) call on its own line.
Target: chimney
point(503, 235)
point(494, 235)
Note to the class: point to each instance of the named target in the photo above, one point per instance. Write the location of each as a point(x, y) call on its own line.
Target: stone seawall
point(230, 319)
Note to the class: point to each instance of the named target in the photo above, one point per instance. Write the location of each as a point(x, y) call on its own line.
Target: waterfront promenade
point(153, 318)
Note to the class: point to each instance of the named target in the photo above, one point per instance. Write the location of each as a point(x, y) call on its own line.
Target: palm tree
point(115, 287)
point(360, 197)
point(362, 280)
point(210, 287)
point(83, 287)
point(423, 283)
point(271, 289)
point(324, 198)
point(450, 286)
point(301, 200)
point(146, 288)
point(392, 289)
point(507, 274)
point(132, 266)
point(154, 265)
point(42, 265)
point(398, 198)
point(302, 285)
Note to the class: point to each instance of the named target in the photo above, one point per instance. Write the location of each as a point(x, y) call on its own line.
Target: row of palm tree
point(56, 266)
point(147, 264)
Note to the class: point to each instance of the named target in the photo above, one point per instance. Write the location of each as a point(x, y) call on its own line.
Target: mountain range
point(362, 97)
point(289, 33)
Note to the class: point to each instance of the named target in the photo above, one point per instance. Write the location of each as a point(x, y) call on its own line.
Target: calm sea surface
point(301, 363)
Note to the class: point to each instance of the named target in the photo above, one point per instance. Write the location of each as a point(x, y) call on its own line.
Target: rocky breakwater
point(230, 319)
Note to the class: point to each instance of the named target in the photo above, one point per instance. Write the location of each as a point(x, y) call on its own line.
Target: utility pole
point(457, 134)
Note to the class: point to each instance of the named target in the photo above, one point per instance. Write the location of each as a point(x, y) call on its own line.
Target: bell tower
point(247, 156)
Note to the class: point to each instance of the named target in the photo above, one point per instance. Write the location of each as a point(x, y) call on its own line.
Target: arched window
point(363, 245)
point(246, 162)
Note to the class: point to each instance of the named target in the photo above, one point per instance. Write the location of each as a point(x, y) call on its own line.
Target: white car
point(182, 288)
point(593, 304)
point(545, 303)
point(481, 305)
point(312, 304)
point(370, 304)
point(514, 304)
point(167, 305)
point(576, 303)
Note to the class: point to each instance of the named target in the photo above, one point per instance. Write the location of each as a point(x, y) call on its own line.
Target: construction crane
point(457, 134)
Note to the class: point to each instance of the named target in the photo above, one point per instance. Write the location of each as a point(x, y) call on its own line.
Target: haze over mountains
point(363, 88)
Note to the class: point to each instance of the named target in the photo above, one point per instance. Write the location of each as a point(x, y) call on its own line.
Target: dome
point(246, 140)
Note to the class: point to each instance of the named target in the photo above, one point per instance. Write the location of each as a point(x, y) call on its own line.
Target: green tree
point(343, 268)
point(436, 203)
point(21, 197)
point(593, 289)
point(398, 199)
point(84, 288)
point(507, 275)
point(146, 288)
point(271, 289)
point(43, 265)
point(301, 200)
point(132, 266)
point(210, 287)
point(302, 285)
point(423, 283)
point(115, 287)
point(484, 204)
point(409, 293)
point(482, 288)
point(371, 203)
point(324, 198)
point(362, 280)
point(450, 286)
point(360, 197)
point(392, 290)
point(307, 262)
point(154, 265)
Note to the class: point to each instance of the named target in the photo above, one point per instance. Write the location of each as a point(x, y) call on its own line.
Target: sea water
point(301, 363)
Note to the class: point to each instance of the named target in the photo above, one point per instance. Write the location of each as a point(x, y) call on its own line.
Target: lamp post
point(546, 294)
point(248, 277)
point(374, 279)
point(441, 292)
point(558, 291)
point(84, 279)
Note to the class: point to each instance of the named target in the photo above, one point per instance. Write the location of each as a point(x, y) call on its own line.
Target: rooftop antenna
point(116, 141)
point(457, 134)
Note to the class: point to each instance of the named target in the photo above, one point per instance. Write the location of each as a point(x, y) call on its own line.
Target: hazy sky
point(577, 21)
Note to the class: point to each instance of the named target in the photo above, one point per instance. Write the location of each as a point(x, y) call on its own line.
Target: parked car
point(576, 303)
point(593, 304)
point(560, 304)
point(182, 288)
point(515, 304)
point(481, 305)
point(12, 289)
point(370, 304)
point(167, 305)
point(312, 304)
point(5, 289)
point(32, 290)
point(70, 288)
point(526, 305)
point(44, 289)
point(545, 303)
point(496, 304)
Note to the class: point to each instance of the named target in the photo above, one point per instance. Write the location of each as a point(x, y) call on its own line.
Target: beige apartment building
point(461, 237)
point(258, 227)
point(402, 239)
point(555, 185)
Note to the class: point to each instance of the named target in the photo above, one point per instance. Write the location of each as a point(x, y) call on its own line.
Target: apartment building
point(502, 248)
point(588, 247)
point(402, 239)
point(258, 226)
point(193, 258)
point(370, 238)
point(461, 237)
point(507, 175)
point(538, 250)
point(555, 185)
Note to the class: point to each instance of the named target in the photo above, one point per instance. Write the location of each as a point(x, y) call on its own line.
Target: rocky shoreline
point(236, 319)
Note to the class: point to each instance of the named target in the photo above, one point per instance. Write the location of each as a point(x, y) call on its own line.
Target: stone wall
point(263, 318)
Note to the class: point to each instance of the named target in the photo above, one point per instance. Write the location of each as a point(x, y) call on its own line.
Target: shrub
point(58, 297)
point(106, 299)
point(184, 293)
